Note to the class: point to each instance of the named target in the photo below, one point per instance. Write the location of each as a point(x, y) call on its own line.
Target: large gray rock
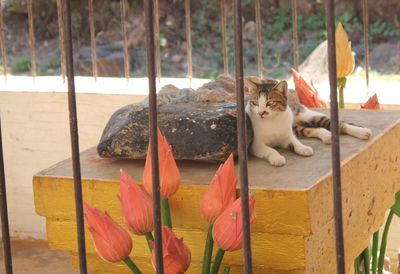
point(199, 125)
point(315, 67)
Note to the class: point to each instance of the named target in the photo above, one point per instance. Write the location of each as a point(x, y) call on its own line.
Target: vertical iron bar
point(242, 138)
point(157, 38)
point(74, 137)
point(3, 43)
point(148, 6)
point(93, 49)
point(398, 261)
point(61, 38)
point(125, 37)
point(336, 175)
point(295, 35)
point(31, 37)
point(366, 42)
point(188, 40)
point(4, 213)
point(224, 37)
point(258, 37)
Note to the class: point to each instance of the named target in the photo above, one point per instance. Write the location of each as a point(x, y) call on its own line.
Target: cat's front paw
point(364, 133)
point(326, 138)
point(277, 160)
point(304, 150)
point(359, 132)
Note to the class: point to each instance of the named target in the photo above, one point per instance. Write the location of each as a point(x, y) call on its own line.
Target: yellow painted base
point(294, 228)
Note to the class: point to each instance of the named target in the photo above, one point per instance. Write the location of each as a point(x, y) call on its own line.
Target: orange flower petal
point(137, 206)
point(228, 228)
point(176, 254)
point(221, 192)
point(112, 242)
point(169, 172)
point(345, 62)
point(306, 92)
point(372, 103)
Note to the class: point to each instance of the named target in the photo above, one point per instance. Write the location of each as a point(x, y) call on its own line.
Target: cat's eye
point(254, 103)
point(270, 104)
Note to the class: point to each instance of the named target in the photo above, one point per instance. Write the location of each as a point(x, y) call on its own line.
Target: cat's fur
point(276, 116)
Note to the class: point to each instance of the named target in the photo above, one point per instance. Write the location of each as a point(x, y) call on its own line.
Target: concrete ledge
point(293, 232)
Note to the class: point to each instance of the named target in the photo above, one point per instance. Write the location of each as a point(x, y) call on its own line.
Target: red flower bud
point(112, 242)
point(169, 173)
point(137, 206)
point(176, 255)
point(306, 92)
point(228, 228)
point(372, 103)
point(221, 192)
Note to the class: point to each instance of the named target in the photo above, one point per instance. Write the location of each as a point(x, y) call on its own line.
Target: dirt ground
point(34, 257)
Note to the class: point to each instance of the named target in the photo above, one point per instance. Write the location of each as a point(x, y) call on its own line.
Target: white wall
point(36, 135)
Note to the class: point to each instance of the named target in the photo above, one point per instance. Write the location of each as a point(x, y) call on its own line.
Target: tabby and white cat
point(276, 115)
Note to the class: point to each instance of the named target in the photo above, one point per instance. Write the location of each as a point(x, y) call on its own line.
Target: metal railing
point(3, 43)
point(5, 230)
point(224, 32)
point(336, 175)
point(154, 71)
point(73, 124)
point(242, 136)
point(148, 7)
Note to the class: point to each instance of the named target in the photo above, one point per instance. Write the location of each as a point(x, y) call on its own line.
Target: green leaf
point(396, 206)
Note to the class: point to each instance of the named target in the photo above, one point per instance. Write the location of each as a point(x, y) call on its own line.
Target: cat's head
point(268, 98)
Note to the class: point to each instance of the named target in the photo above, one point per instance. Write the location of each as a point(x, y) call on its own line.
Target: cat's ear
point(282, 87)
point(250, 83)
point(254, 79)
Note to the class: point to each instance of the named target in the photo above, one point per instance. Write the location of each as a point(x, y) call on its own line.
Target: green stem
point(227, 269)
point(357, 265)
point(384, 241)
point(217, 261)
point(367, 259)
point(208, 251)
point(341, 84)
point(128, 261)
point(166, 214)
point(149, 237)
point(341, 97)
point(375, 243)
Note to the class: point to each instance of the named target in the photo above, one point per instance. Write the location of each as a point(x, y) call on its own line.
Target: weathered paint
point(62, 234)
point(293, 231)
point(369, 181)
point(282, 212)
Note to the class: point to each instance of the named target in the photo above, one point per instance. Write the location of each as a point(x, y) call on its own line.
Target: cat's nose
point(263, 113)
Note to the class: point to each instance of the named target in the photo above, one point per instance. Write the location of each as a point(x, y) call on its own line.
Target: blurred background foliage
point(384, 29)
